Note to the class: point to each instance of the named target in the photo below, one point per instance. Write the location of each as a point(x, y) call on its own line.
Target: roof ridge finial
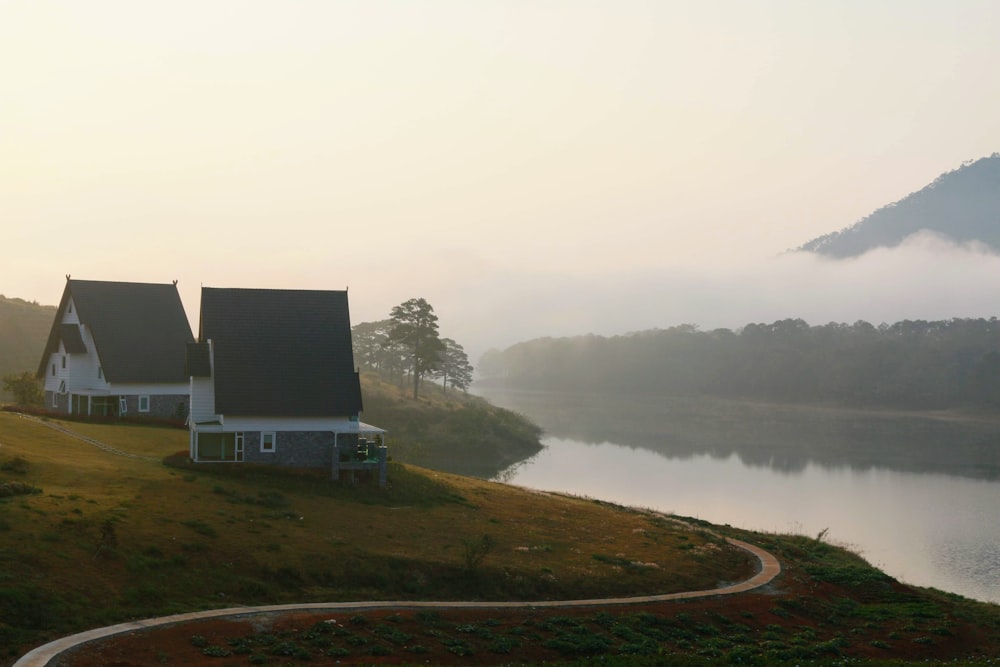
point(175, 282)
point(67, 277)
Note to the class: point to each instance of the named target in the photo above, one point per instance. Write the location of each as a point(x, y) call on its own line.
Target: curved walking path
point(45, 654)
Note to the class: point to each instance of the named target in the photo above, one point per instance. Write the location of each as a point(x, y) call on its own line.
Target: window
point(100, 372)
point(267, 442)
point(239, 446)
point(53, 370)
point(62, 386)
point(216, 447)
point(64, 361)
point(55, 400)
point(144, 404)
point(102, 406)
point(122, 405)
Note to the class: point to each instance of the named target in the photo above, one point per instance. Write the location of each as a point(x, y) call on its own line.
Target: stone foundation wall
point(165, 406)
point(302, 449)
point(61, 399)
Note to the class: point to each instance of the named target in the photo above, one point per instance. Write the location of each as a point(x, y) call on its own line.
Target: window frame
point(144, 399)
point(122, 405)
point(274, 442)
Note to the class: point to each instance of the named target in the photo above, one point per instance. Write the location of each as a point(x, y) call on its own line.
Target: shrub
point(474, 551)
point(8, 489)
point(17, 465)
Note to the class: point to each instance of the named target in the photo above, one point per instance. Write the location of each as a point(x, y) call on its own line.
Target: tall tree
point(414, 326)
point(374, 349)
point(454, 369)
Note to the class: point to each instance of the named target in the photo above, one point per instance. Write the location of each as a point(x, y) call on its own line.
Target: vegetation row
point(910, 364)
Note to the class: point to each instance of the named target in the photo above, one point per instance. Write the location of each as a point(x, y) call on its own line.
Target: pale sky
point(529, 167)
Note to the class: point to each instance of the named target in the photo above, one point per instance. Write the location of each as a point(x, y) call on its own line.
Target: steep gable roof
point(281, 352)
point(140, 330)
point(199, 360)
point(72, 339)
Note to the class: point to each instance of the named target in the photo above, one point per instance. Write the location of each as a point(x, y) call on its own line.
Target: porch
point(360, 447)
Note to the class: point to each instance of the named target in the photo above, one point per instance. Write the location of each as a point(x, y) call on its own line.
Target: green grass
point(106, 538)
point(110, 538)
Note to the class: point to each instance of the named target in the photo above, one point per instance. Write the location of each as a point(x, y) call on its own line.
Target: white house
point(117, 349)
point(273, 381)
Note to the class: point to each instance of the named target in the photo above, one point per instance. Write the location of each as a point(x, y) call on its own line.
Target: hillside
point(452, 432)
point(962, 205)
point(91, 538)
point(24, 328)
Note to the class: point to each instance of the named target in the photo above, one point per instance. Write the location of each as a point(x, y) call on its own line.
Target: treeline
point(407, 347)
point(910, 364)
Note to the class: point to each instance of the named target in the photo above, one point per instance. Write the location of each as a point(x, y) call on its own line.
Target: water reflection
point(783, 438)
point(917, 497)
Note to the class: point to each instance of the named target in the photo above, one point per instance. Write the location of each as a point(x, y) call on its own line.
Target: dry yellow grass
point(212, 536)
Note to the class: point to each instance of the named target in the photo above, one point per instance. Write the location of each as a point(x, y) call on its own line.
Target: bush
point(8, 489)
point(25, 388)
point(17, 465)
point(474, 551)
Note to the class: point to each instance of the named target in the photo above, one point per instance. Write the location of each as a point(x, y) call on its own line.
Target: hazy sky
point(530, 167)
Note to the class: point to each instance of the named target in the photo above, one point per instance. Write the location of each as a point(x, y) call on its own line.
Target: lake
point(917, 496)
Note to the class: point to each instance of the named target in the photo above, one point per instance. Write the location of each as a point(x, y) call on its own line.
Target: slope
point(24, 327)
point(961, 205)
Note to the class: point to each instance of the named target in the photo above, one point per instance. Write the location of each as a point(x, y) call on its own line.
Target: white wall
point(202, 400)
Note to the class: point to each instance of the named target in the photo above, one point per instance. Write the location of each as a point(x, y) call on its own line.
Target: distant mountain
point(24, 328)
point(962, 205)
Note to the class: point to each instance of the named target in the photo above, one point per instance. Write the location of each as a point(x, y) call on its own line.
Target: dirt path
point(43, 655)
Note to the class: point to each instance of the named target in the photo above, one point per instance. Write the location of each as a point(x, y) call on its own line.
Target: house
point(117, 348)
point(273, 382)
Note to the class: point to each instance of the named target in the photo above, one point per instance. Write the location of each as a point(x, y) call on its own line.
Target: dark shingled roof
point(72, 339)
point(199, 362)
point(281, 352)
point(139, 329)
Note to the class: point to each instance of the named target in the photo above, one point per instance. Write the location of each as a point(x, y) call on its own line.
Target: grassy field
point(90, 538)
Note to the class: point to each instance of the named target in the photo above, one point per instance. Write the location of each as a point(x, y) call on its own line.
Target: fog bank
point(926, 278)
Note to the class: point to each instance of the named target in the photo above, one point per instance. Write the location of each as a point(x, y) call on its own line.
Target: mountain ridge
point(962, 205)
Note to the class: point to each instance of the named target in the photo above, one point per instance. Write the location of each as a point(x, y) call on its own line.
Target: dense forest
point(962, 205)
point(910, 364)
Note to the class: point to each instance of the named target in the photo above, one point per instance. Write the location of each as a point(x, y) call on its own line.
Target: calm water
point(918, 497)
